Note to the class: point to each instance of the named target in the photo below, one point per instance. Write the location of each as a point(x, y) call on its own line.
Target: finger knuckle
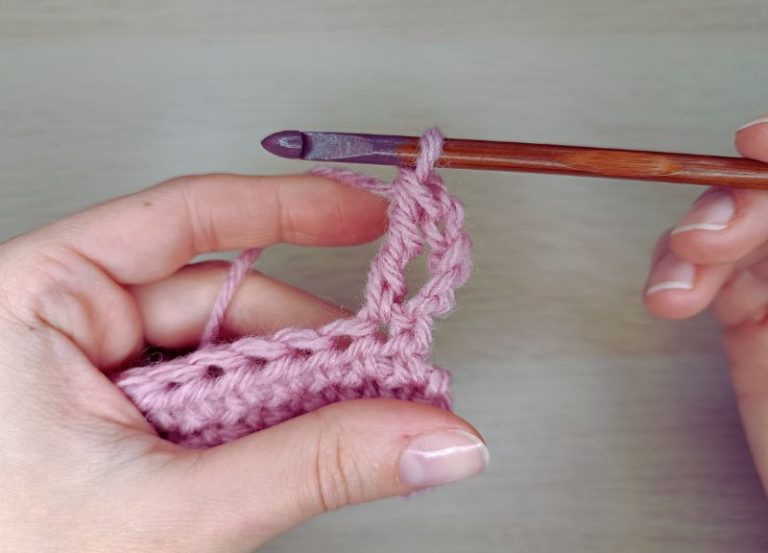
point(286, 225)
point(192, 193)
point(337, 478)
point(28, 280)
point(45, 286)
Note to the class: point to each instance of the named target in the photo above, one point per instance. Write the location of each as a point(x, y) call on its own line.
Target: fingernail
point(442, 457)
point(712, 211)
point(760, 121)
point(671, 273)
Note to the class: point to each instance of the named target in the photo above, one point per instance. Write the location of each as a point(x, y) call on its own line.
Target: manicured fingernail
point(671, 273)
point(712, 211)
point(442, 457)
point(761, 121)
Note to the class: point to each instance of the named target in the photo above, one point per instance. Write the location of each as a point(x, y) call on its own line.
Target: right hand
point(717, 256)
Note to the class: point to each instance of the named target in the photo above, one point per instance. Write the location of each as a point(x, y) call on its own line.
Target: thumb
point(345, 453)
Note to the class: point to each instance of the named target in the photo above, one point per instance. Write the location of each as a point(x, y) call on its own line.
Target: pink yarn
point(224, 391)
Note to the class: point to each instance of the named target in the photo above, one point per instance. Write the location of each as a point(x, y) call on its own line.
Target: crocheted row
point(224, 391)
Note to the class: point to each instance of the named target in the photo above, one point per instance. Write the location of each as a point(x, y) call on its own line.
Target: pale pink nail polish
point(761, 121)
point(713, 211)
point(442, 457)
point(671, 273)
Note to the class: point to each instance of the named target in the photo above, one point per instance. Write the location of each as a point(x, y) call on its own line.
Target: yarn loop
point(223, 391)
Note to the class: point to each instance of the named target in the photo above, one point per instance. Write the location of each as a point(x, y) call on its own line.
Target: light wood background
point(609, 432)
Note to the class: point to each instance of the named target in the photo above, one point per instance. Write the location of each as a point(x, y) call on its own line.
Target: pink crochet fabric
point(224, 391)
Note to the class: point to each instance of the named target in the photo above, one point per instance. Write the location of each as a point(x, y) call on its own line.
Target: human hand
point(717, 256)
point(80, 468)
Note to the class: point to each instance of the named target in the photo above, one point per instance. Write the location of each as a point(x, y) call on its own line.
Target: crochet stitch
point(223, 391)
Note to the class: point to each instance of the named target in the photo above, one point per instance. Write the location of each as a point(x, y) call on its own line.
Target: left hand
point(80, 468)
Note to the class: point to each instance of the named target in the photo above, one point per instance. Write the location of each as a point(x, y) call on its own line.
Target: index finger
point(752, 140)
point(151, 234)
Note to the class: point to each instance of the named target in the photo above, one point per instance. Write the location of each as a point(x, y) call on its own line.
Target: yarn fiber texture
point(223, 391)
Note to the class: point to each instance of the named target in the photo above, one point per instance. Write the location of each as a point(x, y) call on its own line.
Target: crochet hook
point(522, 157)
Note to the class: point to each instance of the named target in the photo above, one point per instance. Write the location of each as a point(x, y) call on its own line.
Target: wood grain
point(585, 161)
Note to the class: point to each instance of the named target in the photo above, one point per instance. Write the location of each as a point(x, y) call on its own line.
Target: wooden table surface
point(609, 431)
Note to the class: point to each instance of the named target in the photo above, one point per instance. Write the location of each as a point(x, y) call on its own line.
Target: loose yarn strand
point(237, 272)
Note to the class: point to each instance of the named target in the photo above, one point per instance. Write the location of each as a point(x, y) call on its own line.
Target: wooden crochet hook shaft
point(521, 157)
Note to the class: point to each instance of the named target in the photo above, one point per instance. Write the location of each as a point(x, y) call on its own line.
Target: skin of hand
point(717, 257)
point(80, 468)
